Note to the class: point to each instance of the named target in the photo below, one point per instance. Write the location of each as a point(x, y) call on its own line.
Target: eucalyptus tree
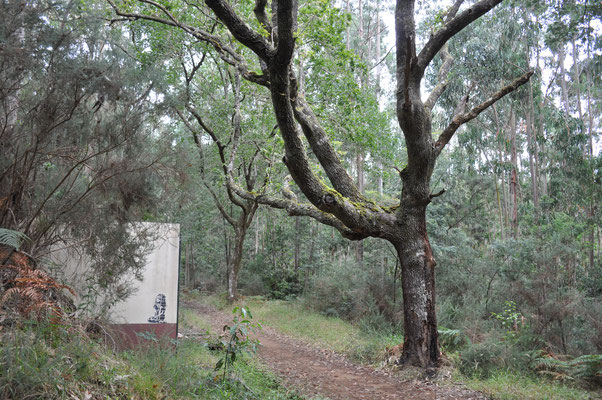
point(271, 37)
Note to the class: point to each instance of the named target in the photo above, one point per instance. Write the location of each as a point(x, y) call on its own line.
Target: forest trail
point(318, 372)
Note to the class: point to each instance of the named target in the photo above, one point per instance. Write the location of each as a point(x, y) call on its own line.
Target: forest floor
point(317, 372)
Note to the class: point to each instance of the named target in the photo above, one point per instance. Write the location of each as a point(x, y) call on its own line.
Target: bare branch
point(453, 10)
point(449, 29)
point(441, 79)
point(225, 52)
point(439, 193)
point(462, 118)
point(219, 205)
point(461, 106)
point(197, 140)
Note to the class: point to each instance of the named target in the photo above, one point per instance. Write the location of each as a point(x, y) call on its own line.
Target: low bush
point(282, 285)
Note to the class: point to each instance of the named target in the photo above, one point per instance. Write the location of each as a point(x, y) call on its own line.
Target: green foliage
point(586, 368)
point(486, 358)
point(509, 385)
point(47, 360)
point(452, 339)
point(237, 339)
point(511, 319)
point(12, 238)
point(283, 285)
point(77, 107)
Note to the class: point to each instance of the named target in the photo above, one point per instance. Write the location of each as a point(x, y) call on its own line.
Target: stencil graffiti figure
point(160, 305)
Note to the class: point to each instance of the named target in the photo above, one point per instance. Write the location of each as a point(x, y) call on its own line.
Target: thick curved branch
point(295, 208)
point(405, 40)
point(323, 150)
point(464, 117)
point(261, 15)
point(451, 28)
point(287, 25)
point(240, 30)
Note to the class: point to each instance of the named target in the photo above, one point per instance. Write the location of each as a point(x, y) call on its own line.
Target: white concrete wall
point(160, 276)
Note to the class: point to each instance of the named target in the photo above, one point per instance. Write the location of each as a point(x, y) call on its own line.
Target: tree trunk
point(187, 253)
point(514, 175)
point(421, 347)
point(532, 149)
point(590, 154)
point(563, 86)
point(361, 182)
point(297, 244)
point(234, 264)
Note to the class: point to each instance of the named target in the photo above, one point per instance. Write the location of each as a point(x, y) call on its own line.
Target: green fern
point(452, 339)
point(587, 367)
point(11, 238)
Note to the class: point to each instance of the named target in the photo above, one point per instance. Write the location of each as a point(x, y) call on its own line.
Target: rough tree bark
point(343, 206)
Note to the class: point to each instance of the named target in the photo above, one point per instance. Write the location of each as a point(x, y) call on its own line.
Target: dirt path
point(317, 372)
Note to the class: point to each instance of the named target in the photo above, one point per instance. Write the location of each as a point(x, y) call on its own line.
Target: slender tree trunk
point(187, 267)
point(563, 87)
point(591, 154)
point(379, 165)
point(532, 149)
point(359, 162)
point(532, 141)
point(347, 34)
point(235, 263)
point(541, 163)
point(577, 79)
point(500, 209)
point(297, 243)
point(514, 175)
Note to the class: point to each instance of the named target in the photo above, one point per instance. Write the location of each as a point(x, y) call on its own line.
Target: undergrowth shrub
point(28, 291)
point(353, 293)
point(587, 368)
point(41, 359)
point(282, 285)
point(481, 359)
point(452, 339)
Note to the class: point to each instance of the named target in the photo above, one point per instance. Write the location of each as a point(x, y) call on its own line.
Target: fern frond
point(11, 238)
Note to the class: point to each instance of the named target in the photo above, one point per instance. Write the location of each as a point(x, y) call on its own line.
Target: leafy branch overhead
point(274, 50)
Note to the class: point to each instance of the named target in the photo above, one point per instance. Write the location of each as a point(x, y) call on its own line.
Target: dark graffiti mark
point(159, 306)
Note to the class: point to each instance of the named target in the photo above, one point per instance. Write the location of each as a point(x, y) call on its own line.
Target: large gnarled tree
point(342, 205)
